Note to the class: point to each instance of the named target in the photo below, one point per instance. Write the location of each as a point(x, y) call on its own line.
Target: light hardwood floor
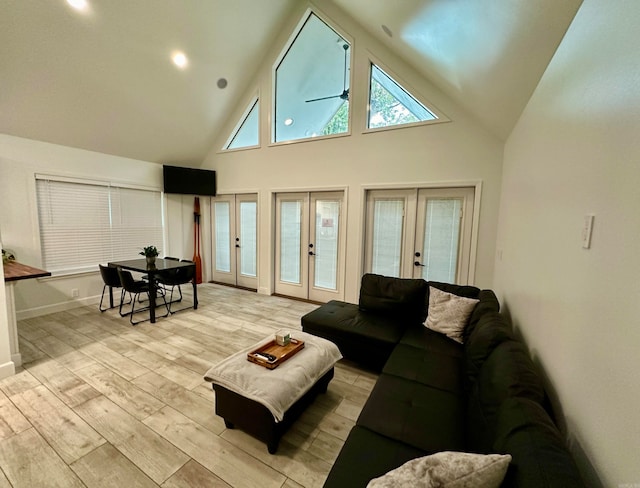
point(100, 403)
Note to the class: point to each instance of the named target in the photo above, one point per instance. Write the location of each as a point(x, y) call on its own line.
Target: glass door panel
point(443, 230)
point(292, 210)
point(290, 241)
point(326, 246)
point(388, 220)
point(247, 241)
point(390, 214)
point(309, 245)
point(222, 236)
point(235, 238)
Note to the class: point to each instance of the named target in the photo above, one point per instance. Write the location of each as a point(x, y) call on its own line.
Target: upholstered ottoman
point(265, 402)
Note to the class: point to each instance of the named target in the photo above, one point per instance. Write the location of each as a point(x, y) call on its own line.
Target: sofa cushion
point(422, 416)
point(540, 458)
point(441, 371)
point(367, 455)
point(449, 313)
point(362, 337)
point(430, 340)
point(492, 329)
point(401, 298)
point(508, 372)
point(447, 469)
point(488, 303)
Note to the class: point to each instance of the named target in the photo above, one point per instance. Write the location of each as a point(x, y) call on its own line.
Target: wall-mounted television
point(189, 181)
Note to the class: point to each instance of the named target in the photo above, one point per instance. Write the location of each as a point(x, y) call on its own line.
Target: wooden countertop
point(14, 271)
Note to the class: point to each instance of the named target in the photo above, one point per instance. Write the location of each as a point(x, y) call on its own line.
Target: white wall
point(575, 151)
point(7, 366)
point(457, 152)
point(20, 160)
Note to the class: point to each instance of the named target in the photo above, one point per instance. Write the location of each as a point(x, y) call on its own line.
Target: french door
point(235, 239)
point(420, 233)
point(310, 245)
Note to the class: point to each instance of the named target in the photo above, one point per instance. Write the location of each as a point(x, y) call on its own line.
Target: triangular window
point(390, 104)
point(247, 134)
point(312, 84)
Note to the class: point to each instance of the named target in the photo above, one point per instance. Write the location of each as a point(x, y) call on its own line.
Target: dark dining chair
point(174, 278)
point(111, 280)
point(135, 288)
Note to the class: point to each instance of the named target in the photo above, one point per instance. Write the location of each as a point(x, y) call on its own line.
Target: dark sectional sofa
point(435, 394)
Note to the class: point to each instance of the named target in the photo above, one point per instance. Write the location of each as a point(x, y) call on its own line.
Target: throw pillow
point(447, 469)
point(449, 313)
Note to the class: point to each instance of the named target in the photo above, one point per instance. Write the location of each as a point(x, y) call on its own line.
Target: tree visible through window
point(390, 104)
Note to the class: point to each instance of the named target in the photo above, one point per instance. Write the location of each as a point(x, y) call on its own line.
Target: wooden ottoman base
point(255, 419)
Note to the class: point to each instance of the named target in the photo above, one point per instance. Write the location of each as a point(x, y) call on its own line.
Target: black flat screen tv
point(189, 181)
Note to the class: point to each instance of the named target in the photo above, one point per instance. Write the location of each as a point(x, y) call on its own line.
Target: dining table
point(153, 271)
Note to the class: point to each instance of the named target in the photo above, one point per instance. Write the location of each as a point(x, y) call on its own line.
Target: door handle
point(418, 263)
point(237, 245)
point(311, 253)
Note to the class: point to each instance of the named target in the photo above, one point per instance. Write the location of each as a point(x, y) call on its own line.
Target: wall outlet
point(75, 293)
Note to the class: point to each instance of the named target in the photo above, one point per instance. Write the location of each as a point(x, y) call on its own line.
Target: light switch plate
point(587, 229)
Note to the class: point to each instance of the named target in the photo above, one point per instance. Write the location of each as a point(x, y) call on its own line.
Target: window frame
point(440, 116)
point(283, 53)
point(254, 102)
point(109, 186)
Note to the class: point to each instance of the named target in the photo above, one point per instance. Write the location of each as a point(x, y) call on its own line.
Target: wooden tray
point(282, 353)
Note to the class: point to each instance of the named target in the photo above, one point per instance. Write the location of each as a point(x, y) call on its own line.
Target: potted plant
point(151, 253)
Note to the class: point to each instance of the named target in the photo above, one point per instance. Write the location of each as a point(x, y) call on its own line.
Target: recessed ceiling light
point(179, 59)
point(78, 4)
point(288, 121)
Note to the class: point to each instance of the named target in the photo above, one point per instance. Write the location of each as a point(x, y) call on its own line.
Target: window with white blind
point(85, 223)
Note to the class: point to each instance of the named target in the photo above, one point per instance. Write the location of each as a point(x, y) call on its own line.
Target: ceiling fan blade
point(324, 98)
point(345, 91)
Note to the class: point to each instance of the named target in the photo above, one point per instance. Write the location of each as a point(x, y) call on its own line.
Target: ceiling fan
point(345, 91)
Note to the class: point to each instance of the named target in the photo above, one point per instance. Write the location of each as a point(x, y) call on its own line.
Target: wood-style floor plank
point(194, 475)
point(63, 429)
point(28, 461)
point(106, 467)
point(128, 406)
point(150, 452)
point(231, 464)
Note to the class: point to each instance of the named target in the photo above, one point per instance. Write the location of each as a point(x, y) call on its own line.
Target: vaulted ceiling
point(102, 78)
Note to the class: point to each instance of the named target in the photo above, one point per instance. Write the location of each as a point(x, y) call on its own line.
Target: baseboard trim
point(7, 369)
point(56, 307)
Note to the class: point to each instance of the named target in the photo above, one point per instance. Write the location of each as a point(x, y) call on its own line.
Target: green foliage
point(149, 251)
point(386, 110)
point(339, 122)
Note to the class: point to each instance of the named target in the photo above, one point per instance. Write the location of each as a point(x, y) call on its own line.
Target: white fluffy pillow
point(449, 313)
point(447, 469)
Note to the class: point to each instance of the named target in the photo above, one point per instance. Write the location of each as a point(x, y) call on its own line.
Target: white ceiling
point(103, 79)
point(488, 55)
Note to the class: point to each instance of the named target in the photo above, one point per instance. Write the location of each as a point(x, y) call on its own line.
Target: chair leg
point(133, 311)
point(122, 295)
point(101, 299)
point(171, 302)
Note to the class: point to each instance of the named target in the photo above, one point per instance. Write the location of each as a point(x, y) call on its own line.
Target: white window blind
point(83, 224)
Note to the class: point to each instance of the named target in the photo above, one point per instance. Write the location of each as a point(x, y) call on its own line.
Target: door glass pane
point(387, 237)
point(290, 214)
point(326, 245)
point(223, 244)
point(441, 237)
point(248, 249)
